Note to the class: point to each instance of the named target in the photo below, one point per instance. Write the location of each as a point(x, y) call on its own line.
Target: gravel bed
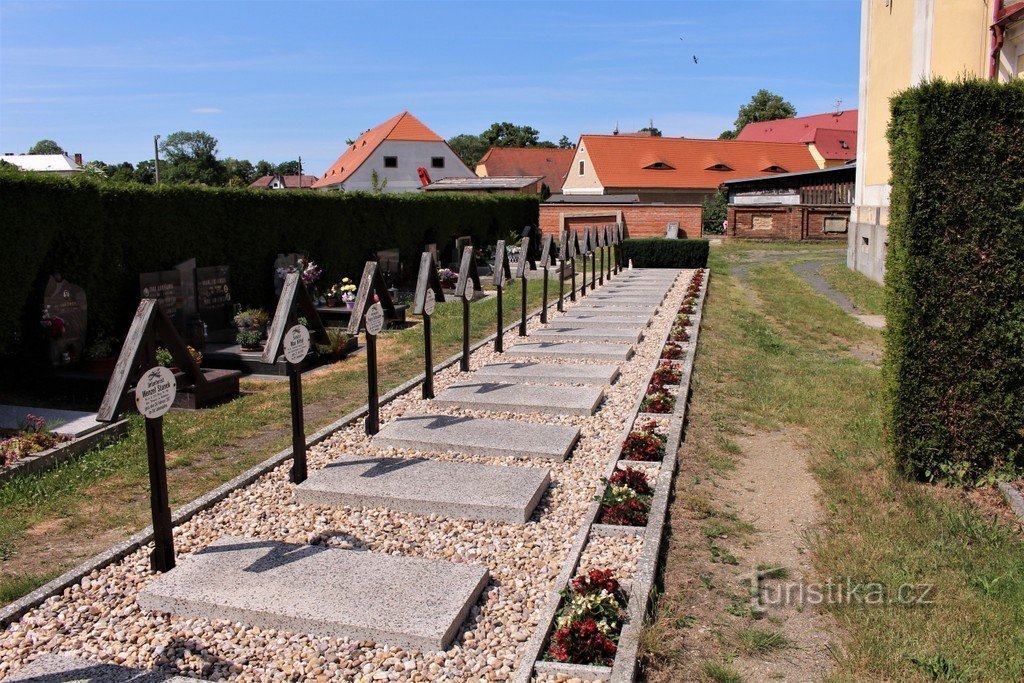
point(98, 619)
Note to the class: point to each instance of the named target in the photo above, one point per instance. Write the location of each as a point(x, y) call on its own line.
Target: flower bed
point(672, 352)
point(657, 400)
point(588, 623)
point(644, 444)
point(666, 373)
point(627, 498)
point(679, 334)
point(33, 438)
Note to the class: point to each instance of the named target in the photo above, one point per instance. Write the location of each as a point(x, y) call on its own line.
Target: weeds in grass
point(938, 668)
point(720, 673)
point(757, 641)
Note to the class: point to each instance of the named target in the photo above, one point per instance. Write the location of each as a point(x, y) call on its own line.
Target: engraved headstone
point(213, 295)
point(672, 231)
point(67, 301)
point(375, 319)
point(165, 287)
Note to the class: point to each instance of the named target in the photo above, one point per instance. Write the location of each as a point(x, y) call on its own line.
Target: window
point(390, 162)
point(436, 162)
point(659, 166)
point(835, 223)
point(582, 167)
point(718, 167)
point(774, 169)
point(761, 222)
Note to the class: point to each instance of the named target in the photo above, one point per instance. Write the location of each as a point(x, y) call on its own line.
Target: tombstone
point(525, 258)
point(574, 250)
point(165, 287)
point(532, 232)
point(672, 230)
point(288, 336)
point(563, 252)
point(432, 250)
point(213, 296)
point(600, 249)
point(428, 293)
point(372, 298)
point(584, 249)
point(469, 280)
point(502, 271)
point(592, 247)
point(460, 247)
point(390, 265)
point(66, 301)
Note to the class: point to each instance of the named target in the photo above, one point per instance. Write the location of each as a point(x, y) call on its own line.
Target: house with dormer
point(399, 155)
point(652, 183)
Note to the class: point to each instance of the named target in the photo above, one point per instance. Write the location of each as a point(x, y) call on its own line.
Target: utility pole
point(156, 158)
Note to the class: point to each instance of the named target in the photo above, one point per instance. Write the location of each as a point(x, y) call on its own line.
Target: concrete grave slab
point(478, 436)
point(610, 322)
point(73, 423)
point(602, 307)
point(449, 489)
point(401, 601)
point(521, 398)
point(528, 371)
point(608, 334)
point(65, 669)
point(581, 350)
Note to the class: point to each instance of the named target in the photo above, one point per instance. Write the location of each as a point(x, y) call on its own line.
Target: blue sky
point(274, 80)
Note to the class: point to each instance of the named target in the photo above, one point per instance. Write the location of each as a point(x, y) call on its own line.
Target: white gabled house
point(396, 150)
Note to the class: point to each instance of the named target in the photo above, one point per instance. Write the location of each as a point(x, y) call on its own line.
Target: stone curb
point(48, 459)
point(624, 666)
point(15, 610)
point(1013, 497)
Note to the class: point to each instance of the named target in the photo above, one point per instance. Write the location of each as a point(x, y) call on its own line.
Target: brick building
point(809, 205)
point(649, 182)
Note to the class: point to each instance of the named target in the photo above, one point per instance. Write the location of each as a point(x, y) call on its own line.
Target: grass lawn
point(51, 521)
point(774, 356)
point(858, 288)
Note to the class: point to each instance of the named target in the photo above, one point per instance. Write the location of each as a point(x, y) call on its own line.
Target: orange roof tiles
point(619, 161)
point(552, 164)
point(404, 127)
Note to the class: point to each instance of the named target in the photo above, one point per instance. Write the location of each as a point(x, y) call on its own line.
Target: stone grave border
point(15, 610)
point(37, 463)
point(639, 589)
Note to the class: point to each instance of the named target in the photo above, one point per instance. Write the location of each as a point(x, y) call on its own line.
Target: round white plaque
point(429, 301)
point(296, 344)
point(155, 391)
point(375, 319)
point(468, 294)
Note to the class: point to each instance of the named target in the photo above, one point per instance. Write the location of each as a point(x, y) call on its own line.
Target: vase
point(350, 305)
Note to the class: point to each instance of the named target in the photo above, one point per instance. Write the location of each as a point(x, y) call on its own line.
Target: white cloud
point(207, 110)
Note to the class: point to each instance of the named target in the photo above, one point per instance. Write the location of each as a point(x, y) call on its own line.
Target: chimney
point(78, 158)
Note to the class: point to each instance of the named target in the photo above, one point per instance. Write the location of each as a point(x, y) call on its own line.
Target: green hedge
point(659, 252)
point(954, 362)
point(101, 236)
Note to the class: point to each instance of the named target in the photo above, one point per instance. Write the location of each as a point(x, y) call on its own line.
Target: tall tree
point(763, 106)
point(288, 168)
point(46, 147)
point(470, 148)
point(192, 157)
point(565, 143)
point(239, 172)
point(144, 172)
point(264, 167)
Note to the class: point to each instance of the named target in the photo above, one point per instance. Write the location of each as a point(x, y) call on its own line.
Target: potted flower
point(249, 339)
point(165, 359)
point(347, 292)
point(53, 329)
point(449, 278)
point(252, 320)
point(99, 356)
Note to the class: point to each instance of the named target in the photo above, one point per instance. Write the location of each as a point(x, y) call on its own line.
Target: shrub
point(589, 620)
point(101, 236)
point(582, 642)
point(644, 443)
point(657, 400)
point(633, 479)
point(954, 358)
point(666, 373)
point(658, 252)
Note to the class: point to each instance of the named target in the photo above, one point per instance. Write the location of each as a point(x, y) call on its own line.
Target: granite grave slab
point(521, 398)
point(575, 350)
point(554, 373)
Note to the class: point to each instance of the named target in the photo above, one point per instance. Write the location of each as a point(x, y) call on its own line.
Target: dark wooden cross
point(467, 272)
point(563, 250)
point(138, 354)
point(600, 248)
point(294, 300)
point(584, 248)
point(546, 258)
point(574, 250)
point(372, 290)
point(592, 248)
point(524, 260)
point(428, 287)
point(502, 272)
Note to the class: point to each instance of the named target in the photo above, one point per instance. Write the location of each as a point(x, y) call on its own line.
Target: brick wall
point(640, 220)
point(783, 222)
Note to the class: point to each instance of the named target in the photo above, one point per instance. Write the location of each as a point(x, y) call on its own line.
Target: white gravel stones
point(99, 619)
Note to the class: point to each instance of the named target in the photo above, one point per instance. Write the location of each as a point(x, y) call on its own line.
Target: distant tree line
point(471, 148)
point(186, 157)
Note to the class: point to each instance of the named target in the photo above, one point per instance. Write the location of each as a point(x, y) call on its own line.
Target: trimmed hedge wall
point(954, 286)
point(101, 236)
point(659, 252)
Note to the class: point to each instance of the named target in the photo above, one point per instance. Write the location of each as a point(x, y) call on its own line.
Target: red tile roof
point(290, 181)
point(404, 126)
point(552, 164)
point(806, 129)
point(836, 144)
point(623, 162)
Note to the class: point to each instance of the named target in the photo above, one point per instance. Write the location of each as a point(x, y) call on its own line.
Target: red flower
point(594, 582)
point(581, 642)
point(672, 352)
point(629, 513)
point(632, 478)
point(647, 446)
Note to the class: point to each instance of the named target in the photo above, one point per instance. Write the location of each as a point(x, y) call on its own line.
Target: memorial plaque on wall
point(165, 287)
point(213, 293)
point(67, 301)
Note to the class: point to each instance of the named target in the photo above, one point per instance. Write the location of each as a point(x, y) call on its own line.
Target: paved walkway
point(810, 272)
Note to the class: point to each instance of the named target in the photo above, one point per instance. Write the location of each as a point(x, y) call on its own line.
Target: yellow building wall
point(960, 37)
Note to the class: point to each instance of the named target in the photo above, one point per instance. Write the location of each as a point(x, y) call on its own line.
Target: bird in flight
point(695, 59)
